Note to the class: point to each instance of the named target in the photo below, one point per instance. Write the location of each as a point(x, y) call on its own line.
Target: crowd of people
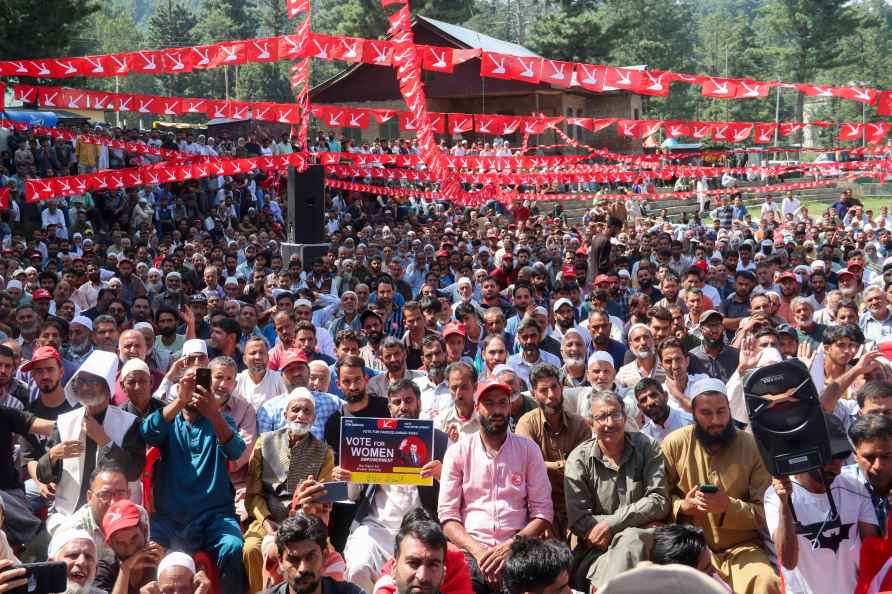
point(172, 388)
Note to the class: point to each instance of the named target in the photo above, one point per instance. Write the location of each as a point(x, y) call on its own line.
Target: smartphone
point(203, 378)
point(708, 489)
point(334, 491)
point(43, 578)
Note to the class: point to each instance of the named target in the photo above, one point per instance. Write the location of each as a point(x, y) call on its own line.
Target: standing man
point(495, 487)
point(599, 250)
point(359, 403)
point(557, 432)
point(713, 452)
point(194, 496)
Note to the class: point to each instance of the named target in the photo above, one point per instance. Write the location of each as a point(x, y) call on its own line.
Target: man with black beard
point(301, 541)
point(832, 515)
point(660, 419)
point(717, 479)
point(478, 514)
point(713, 357)
point(352, 383)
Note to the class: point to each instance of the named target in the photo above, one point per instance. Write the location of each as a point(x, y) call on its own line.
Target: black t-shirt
point(12, 422)
point(34, 446)
point(376, 408)
point(599, 258)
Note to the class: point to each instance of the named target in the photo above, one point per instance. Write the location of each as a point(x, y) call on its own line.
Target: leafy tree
point(44, 29)
point(574, 37)
point(805, 38)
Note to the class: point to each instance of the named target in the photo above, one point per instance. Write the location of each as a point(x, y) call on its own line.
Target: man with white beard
point(272, 478)
point(80, 340)
point(645, 364)
point(78, 551)
point(90, 435)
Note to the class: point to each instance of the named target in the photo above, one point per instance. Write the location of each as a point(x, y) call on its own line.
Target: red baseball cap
point(844, 272)
point(491, 384)
point(602, 278)
point(568, 271)
point(40, 294)
point(442, 254)
point(856, 263)
point(454, 328)
point(120, 515)
point(788, 274)
point(293, 356)
point(42, 354)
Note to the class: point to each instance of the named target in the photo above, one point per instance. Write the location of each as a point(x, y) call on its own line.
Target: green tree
point(805, 38)
point(574, 37)
point(171, 26)
point(49, 28)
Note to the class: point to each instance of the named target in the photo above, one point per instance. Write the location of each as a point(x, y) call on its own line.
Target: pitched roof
point(475, 40)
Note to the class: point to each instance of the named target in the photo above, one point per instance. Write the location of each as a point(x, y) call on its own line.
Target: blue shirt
point(270, 416)
point(192, 476)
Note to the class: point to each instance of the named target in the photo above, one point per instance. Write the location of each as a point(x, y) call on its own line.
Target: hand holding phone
point(42, 578)
point(203, 378)
point(334, 491)
point(708, 488)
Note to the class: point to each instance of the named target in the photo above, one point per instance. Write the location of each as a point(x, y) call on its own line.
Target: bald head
point(132, 345)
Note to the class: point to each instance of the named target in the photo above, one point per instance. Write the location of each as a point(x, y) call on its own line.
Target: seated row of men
point(595, 482)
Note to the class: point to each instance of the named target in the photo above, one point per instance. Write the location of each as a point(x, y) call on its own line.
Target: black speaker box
point(786, 418)
point(306, 205)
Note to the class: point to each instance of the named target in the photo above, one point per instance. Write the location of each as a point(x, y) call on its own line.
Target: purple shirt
point(494, 497)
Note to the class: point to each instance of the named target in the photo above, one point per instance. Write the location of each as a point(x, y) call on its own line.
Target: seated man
point(871, 436)
point(273, 478)
point(135, 558)
point(193, 494)
point(613, 481)
point(660, 419)
point(714, 452)
point(397, 574)
point(107, 485)
point(301, 542)
point(556, 431)
point(177, 574)
point(481, 516)
point(78, 551)
point(89, 436)
point(535, 565)
point(380, 509)
point(811, 534)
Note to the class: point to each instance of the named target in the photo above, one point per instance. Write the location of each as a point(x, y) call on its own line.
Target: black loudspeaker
point(786, 418)
point(306, 205)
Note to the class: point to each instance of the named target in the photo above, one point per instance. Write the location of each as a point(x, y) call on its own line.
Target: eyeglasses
point(615, 416)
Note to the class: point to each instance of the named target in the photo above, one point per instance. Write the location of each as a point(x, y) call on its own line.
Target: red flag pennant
point(177, 60)
point(228, 54)
point(622, 78)
point(24, 93)
point(718, 88)
point(816, 90)
point(591, 77)
point(263, 49)
point(379, 53)
point(296, 7)
point(875, 132)
point(557, 73)
point(348, 49)
point(195, 106)
point(399, 20)
point(850, 131)
point(655, 83)
point(677, 129)
point(292, 47)
point(493, 65)
point(124, 102)
point(356, 118)
point(74, 99)
point(748, 89)
point(50, 97)
point(459, 123)
point(700, 130)
point(628, 128)
point(487, 124)
point(884, 103)
point(438, 59)
point(765, 133)
point(146, 62)
point(859, 94)
point(788, 128)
